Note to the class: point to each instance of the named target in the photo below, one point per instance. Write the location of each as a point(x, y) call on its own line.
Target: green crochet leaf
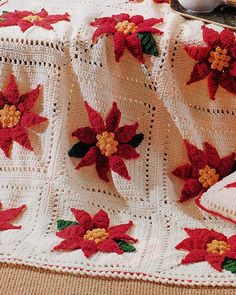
point(126, 247)
point(62, 224)
point(148, 43)
point(136, 140)
point(79, 150)
point(230, 265)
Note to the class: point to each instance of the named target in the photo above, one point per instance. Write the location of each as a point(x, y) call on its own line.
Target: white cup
point(200, 5)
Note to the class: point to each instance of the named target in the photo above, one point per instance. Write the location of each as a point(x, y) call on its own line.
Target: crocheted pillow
point(220, 199)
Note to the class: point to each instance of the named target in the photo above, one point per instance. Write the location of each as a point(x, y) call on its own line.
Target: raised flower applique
point(8, 216)
point(15, 116)
point(133, 33)
point(27, 19)
point(208, 245)
point(217, 60)
point(106, 144)
point(93, 234)
point(205, 170)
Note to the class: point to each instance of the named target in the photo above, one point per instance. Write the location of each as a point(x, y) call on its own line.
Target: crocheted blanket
point(114, 117)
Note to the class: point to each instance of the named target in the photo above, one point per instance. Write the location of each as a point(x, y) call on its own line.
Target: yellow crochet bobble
point(107, 143)
point(218, 247)
point(208, 176)
point(32, 18)
point(126, 27)
point(219, 59)
point(97, 235)
point(9, 116)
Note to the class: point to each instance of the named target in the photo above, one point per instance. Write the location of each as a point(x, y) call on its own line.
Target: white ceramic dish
point(202, 6)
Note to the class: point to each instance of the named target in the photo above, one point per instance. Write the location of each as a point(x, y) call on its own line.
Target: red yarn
point(225, 78)
point(197, 245)
point(16, 18)
point(8, 216)
point(74, 235)
point(199, 159)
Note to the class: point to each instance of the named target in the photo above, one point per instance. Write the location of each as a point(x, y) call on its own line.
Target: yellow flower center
point(126, 27)
point(32, 18)
point(9, 116)
point(107, 143)
point(208, 176)
point(219, 59)
point(218, 247)
point(97, 235)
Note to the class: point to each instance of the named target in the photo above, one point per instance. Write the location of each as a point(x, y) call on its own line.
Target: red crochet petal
point(226, 165)
point(198, 53)
point(213, 84)
point(126, 133)
point(227, 38)
point(20, 135)
point(24, 25)
point(196, 156)
point(102, 167)
point(190, 190)
point(86, 135)
point(149, 30)
point(205, 237)
point(7, 226)
point(228, 82)
point(119, 45)
point(90, 158)
point(117, 165)
point(233, 184)
point(5, 141)
point(194, 233)
point(43, 24)
point(232, 242)
point(2, 99)
point(95, 119)
point(210, 36)
point(150, 22)
point(27, 100)
point(121, 17)
point(134, 46)
point(186, 244)
point(122, 228)
point(89, 248)
point(105, 29)
point(232, 51)
point(69, 244)
point(109, 246)
point(113, 118)
point(43, 13)
point(84, 219)
point(232, 70)
point(213, 158)
point(215, 260)
point(185, 172)
point(31, 119)
point(194, 256)
point(11, 92)
point(54, 18)
point(101, 220)
point(200, 71)
point(71, 231)
point(127, 152)
point(137, 19)
point(230, 254)
point(102, 21)
point(11, 214)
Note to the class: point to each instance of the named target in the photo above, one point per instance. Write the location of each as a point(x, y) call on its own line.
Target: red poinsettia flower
point(205, 170)
point(15, 116)
point(207, 245)
point(8, 216)
point(126, 30)
point(106, 144)
point(217, 60)
point(93, 234)
point(27, 19)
